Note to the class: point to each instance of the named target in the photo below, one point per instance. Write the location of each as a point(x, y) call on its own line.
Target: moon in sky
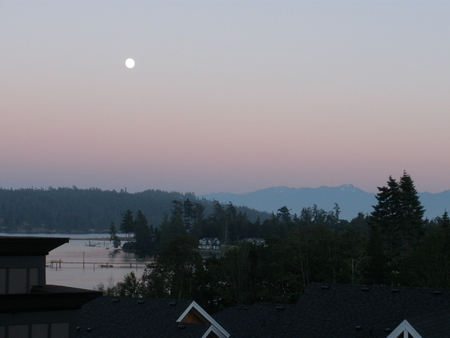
point(129, 63)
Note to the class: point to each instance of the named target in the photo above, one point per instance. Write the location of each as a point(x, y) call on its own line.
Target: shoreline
point(95, 236)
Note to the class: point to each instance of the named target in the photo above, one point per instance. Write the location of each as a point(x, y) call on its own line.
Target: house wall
point(212, 335)
point(19, 273)
point(25, 312)
point(191, 317)
point(48, 324)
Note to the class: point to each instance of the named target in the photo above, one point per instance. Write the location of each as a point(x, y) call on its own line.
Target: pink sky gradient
point(225, 96)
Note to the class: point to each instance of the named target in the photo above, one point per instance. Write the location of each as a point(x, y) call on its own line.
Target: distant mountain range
point(351, 200)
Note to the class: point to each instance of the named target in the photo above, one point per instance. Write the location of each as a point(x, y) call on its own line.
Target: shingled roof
point(258, 320)
point(118, 317)
point(430, 325)
point(343, 311)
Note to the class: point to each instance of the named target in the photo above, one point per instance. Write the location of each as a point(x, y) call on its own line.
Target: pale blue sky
point(225, 95)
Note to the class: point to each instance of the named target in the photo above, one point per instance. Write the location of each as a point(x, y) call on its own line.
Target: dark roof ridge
point(29, 246)
point(358, 286)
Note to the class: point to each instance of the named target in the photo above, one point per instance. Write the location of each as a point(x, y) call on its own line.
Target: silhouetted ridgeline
point(351, 200)
point(79, 210)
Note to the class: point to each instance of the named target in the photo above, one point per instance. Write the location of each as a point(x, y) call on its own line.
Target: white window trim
point(213, 329)
point(405, 327)
point(206, 317)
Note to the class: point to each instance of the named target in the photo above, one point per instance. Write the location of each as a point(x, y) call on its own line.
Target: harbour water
point(102, 263)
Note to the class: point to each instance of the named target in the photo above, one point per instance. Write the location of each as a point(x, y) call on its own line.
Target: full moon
point(129, 63)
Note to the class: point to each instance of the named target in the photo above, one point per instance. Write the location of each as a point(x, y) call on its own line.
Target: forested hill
point(351, 200)
point(81, 210)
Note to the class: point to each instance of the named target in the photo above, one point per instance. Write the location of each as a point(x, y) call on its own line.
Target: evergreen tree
point(127, 224)
point(337, 211)
point(306, 217)
point(167, 232)
point(398, 216)
point(410, 226)
point(113, 235)
point(319, 215)
point(177, 214)
point(284, 214)
point(141, 220)
point(377, 268)
point(142, 235)
point(444, 221)
point(176, 219)
point(188, 214)
point(170, 228)
point(199, 212)
point(175, 270)
point(429, 265)
point(231, 210)
point(129, 287)
point(385, 214)
point(361, 223)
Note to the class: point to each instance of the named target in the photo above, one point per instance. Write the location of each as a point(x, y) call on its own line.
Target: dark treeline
point(226, 223)
point(82, 210)
point(393, 245)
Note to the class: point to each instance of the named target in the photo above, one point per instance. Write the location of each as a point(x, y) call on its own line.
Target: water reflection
point(88, 260)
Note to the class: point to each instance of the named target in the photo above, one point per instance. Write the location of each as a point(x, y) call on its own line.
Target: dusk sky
point(226, 95)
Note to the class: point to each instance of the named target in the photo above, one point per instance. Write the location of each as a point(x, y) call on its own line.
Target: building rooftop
point(258, 320)
point(118, 317)
point(343, 311)
point(29, 246)
point(47, 298)
point(363, 311)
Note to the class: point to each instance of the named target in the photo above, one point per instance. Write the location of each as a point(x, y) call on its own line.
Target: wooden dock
point(58, 263)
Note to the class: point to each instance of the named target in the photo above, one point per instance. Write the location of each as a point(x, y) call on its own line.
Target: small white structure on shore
point(209, 243)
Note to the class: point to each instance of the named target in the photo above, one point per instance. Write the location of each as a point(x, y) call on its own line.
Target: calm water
point(95, 249)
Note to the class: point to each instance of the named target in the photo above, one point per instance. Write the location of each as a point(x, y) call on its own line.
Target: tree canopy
point(73, 210)
point(398, 215)
point(391, 246)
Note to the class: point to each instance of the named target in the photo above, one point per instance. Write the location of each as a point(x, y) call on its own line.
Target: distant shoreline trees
point(73, 210)
point(392, 246)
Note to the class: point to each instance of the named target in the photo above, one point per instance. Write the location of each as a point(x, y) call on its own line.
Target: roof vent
point(89, 329)
point(395, 290)
point(388, 329)
point(115, 300)
point(437, 292)
point(358, 327)
point(280, 308)
point(324, 287)
point(140, 301)
point(78, 328)
point(181, 326)
point(172, 303)
point(365, 288)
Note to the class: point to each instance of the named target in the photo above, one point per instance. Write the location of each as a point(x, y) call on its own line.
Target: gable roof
point(341, 311)
point(118, 317)
point(430, 325)
point(372, 311)
point(202, 315)
point(404, 327)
